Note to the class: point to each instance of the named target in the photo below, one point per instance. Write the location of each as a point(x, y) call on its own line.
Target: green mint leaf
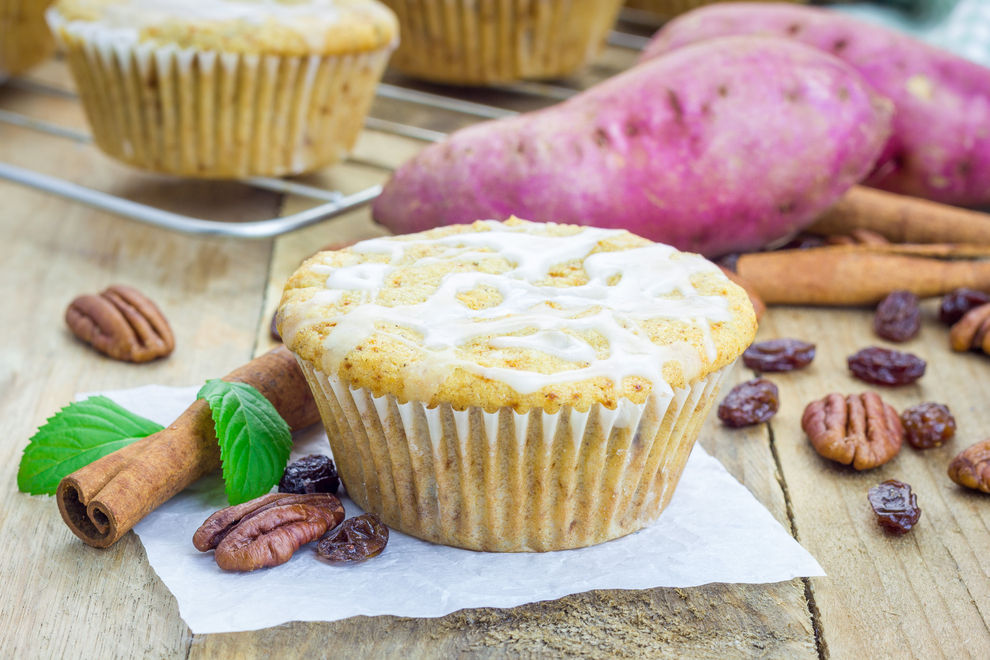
point(74, 437)
point(254, 439)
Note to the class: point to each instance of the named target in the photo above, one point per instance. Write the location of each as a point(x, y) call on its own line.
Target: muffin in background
point(670, 8)
point(513, 386)
point(24, 36)
point(225, 88)
point(479, 42)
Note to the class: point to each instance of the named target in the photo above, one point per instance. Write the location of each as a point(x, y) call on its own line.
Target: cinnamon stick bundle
point(863, 274)
point(902, 219)
point(104, 500)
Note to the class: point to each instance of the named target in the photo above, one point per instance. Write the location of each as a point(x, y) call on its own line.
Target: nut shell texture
point(971, 468)
point(859, 430)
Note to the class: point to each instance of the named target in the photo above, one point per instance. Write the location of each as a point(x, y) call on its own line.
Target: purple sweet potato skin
point(940, 143)
point(720, 147)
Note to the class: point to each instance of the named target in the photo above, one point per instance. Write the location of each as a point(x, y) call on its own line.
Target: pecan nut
point(971, 468)
point(972, 331)
point(266, 531)
point(859, 430)
point(122, 323)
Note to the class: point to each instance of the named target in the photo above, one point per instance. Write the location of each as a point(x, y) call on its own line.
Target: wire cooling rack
point(330, 203)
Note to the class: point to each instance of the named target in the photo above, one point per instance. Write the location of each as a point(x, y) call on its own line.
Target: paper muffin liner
point(674, 7)
point(218, 115)
point(474, 42)
point(508, 482)
point(24, 36)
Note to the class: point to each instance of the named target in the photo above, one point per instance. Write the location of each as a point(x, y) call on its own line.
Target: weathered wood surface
point(924, 595)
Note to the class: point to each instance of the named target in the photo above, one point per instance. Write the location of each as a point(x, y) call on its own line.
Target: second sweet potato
point(940, 145)
point(719, 147)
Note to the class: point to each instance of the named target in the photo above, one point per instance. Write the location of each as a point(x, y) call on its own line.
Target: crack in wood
point(809, 593)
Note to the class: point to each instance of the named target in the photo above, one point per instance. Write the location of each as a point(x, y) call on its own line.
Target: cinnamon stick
point(104, 500)
point(903, 219)
point(758, 307)
point(863, 274)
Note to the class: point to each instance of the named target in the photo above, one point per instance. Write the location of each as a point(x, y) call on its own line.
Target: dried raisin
point(895, 506)
point(928, 425)
point(752, 402)
point(898, 317)
point(883, 366)
point(779, 355)
point(313, 474)
point(956, 303)
point(357, 539)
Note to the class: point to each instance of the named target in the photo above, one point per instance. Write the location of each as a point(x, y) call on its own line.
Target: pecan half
point(122, 323)
point(971, 468)
point(972, 331)
point(859, 430)
point(266, 531)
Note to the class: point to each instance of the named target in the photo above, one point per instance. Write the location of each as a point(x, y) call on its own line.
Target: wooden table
point(924, 595)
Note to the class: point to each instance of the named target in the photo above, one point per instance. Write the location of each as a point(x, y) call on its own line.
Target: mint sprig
point(254, 439)
point(74, 437)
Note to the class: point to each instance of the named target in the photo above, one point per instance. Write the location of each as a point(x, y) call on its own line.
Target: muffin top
point(270, 27)
point(518, 314)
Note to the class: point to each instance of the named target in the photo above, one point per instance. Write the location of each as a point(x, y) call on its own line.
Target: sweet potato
point(719, 147)
point(940, 144)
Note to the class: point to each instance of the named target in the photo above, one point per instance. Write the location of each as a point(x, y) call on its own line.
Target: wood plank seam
point(821, 646)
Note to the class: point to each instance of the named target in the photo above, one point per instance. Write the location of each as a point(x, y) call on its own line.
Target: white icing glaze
point(121, 22)
point(547, 319)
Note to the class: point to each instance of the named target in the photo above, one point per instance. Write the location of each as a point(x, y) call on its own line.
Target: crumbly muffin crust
point(516, 314)
point(264, 27)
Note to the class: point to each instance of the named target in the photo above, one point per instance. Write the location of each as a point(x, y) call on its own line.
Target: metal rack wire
point(331, 203)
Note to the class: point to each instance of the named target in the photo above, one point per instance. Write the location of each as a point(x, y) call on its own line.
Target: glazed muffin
point(513, 386)
point(226, 88)
point(478, 42)
point(24, 37)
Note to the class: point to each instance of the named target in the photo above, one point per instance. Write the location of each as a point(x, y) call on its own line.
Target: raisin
point(313, 474)
point(898, 317)
point(273, 328)
point(895, 506)
point(779, 355)
point(357, 539)
point(956, 303)
point(749, 403)
point(928, 425)
point(883, 366)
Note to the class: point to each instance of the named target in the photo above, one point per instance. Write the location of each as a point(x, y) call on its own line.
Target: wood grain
point(923, 595)
point(926, 594)
point(698, 622)
point(62, 598)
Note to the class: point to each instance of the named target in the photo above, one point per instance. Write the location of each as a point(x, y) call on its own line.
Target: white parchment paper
point(714, 530)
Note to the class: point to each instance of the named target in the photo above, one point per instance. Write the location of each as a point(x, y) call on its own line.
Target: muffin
point(24, 37)
point(226, 88)
point(478, 42)
point(673, 7)
point(513, 386)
